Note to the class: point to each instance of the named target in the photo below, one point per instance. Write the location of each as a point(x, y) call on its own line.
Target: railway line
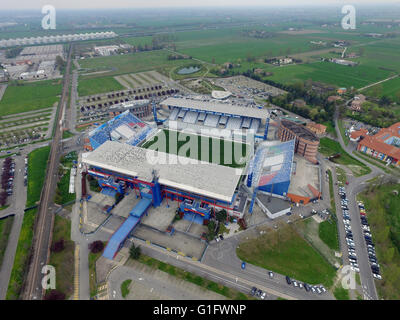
point(45, 218)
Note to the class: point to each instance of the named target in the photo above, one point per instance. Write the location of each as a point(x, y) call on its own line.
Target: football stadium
point(204, 157)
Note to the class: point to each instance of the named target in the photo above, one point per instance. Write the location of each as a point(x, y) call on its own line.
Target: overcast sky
point(93, 4)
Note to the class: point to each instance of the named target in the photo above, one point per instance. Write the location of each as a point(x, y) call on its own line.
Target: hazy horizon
point(136, 4)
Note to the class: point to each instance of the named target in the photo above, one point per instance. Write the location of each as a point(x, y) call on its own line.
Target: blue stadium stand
point(119, 236)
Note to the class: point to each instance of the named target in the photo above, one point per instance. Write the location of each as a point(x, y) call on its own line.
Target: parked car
point(288, 280)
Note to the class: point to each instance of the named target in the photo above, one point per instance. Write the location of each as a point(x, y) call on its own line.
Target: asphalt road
point(357, 185)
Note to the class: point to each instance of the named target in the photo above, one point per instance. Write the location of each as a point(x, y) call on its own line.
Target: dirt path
point(379, 82)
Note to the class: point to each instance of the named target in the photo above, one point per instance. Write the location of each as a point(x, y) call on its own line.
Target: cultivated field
point(132, 63)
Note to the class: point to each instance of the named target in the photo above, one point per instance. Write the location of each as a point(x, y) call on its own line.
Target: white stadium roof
point(208, 179)
point(216, 106)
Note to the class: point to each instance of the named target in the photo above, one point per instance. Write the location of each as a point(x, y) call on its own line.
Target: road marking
point(76, 277)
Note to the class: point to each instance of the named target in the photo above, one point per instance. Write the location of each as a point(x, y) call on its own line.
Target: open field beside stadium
point(202, 148)
point(91, 86)
point(285, 251)
point(30, 96)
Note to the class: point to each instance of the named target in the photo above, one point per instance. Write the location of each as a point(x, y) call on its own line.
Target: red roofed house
point(356, 104)
point(385, 145)
point(317, 128)
point(356, 136)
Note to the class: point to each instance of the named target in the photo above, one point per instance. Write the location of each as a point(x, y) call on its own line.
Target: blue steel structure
point(118, 238)
point(275, 181)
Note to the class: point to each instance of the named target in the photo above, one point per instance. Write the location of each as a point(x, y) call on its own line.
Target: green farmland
point(330, 73)
point(30, 96)
point(390, 89)
point(132, 63)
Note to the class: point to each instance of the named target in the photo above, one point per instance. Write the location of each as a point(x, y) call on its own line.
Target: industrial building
point(5, 43)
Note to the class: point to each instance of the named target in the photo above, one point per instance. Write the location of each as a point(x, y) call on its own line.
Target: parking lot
point(7, 181)
point(245, 87)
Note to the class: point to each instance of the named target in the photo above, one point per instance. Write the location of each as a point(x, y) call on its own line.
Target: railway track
point(45, 218)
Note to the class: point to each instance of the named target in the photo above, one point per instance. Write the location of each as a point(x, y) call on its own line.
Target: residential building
point(317, 128)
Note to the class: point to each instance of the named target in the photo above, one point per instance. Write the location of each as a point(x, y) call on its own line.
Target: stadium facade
point(121, 164)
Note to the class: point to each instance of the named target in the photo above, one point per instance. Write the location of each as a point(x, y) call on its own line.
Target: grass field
point(389, 89)
point(341, 294)
point(5, 229)
point(91, 86)
point(37, 163)
point(330, 73)
point(383, 210)
point(189, 145)
point(30, 96)
point(92, 272)
point(22, 255)
point(125, 287)
point(342, 130)
point(62, 193)
point(329, 234)
point(132, 63)
point(63, 261)
point(329, 147)
point(285, 251)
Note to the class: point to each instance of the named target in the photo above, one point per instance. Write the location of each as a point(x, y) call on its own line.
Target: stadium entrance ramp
point(118, 238)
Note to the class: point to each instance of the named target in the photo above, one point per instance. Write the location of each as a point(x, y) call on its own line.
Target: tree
point(384, 101)
point(54, 295)
point(58, 246)
point(96, 246)
point(134, 252)
point(221, 215)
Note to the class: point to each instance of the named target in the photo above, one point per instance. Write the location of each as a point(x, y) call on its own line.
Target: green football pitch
point(213, 150)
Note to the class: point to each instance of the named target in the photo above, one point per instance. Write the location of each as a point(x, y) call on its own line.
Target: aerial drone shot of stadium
point(207, 156)
point(199, 151)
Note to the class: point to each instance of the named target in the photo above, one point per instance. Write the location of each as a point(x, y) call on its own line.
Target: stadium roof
point(208, 179)
point(216, 106)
